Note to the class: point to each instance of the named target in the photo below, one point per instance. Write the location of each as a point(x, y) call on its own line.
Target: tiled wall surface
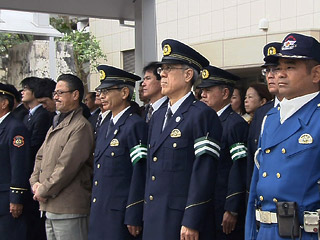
point(225, 31)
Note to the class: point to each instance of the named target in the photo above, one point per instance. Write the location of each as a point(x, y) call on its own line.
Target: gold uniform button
point(264, 174)
point(283, 150)
point(278, 175)
point(96, 183)
point(278, 108)
point(151, 197)
point(275, 200)
point(268, 150)
point(174, 145)
point(94, 200)
point(261, 198)
point(98, 166)
point(155, 159)
point(112, 154)
point(153, 178)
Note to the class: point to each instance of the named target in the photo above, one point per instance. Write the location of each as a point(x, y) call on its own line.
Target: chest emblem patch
point(18, 141)
point(175, 133)
point(305, 139)
point(114, 142)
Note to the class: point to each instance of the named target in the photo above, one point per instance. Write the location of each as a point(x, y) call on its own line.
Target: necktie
point(98, 123)
point(110, 126)
point(29, 116)
point(168, 117)
point(149, 114)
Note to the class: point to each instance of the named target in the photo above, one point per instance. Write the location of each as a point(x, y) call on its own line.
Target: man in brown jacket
point(61, 180)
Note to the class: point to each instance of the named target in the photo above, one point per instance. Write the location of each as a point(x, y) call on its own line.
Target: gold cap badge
point(205, 74)
point(114, 142)
point(175, 133)
point(272, 51)
point(306, 139)
point(166, 50)
point(102, 74)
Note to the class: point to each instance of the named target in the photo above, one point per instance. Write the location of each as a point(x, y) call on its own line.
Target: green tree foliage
point(8, 40)
point(86, 47)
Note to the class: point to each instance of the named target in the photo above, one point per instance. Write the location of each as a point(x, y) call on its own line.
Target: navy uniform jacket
point(181, 171)
point(14, 172)
point(231, 172)
point(119, 177)
point(253, 137)
point(93, 118)
point(287, 168)
point(38, 127)
point(20, 112)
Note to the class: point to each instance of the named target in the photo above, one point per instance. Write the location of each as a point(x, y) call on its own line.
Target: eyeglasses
point(268, 70)
point(167, 69)
point(104, 91)
point(59, 93)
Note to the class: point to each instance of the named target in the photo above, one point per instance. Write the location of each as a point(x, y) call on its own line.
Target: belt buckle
point(265, 217)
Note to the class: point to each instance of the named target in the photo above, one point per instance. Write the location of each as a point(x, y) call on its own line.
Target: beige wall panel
point(212, 51)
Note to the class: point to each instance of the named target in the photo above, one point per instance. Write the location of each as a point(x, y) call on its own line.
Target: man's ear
point(189, 74)
point(315, 74)
point(125, 92)
point(76, 95)
point(4, 103)
point(225, 93)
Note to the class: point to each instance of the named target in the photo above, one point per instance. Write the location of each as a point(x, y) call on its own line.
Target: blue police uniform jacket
point(119, 178)
point(253, 137)
point(181, 171)
point(230, 183)
point(14, 172)
point(287, 168)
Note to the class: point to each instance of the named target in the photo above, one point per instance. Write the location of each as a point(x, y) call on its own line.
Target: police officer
point(229, 199)
point(286, 172)
point(183, 152)
point(268, 70)
point(119, 162)
point(14, 171)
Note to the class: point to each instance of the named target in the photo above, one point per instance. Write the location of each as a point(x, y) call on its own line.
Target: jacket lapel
point(279, 132)
point(176, 119)
point(223, 117)
point(113, 132)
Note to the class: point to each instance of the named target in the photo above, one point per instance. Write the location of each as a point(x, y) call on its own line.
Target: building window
point(128, 60)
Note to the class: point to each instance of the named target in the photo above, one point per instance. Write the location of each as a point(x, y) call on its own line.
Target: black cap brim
point(210, 83)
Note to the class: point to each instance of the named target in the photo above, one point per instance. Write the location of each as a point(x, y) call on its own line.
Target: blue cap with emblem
point(269, 51)
point(214, 76)
point(111, 76)
point(299, 46)
point(175, 52)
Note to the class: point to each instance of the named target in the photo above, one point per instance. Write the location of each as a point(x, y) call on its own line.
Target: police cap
point(214, 76)
point(111, 76)
point(269, 51)
point(175, 52)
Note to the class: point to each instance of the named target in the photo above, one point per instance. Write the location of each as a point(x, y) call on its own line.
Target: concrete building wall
point(32, 59)
point(225, 31)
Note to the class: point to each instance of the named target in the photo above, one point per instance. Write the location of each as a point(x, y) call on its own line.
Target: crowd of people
point(217, 162)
